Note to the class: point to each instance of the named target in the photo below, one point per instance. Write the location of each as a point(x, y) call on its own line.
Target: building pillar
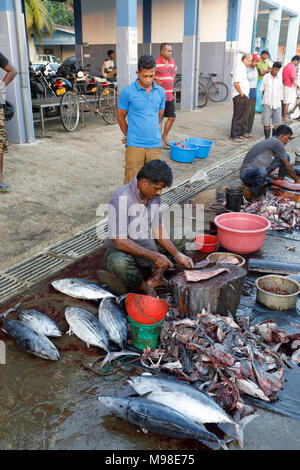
point(273, 33)
point(13, 45)
point(147, 26)
point(232, 41)
point(189, 51)
point(292, 38)
point(127, 45)
point(78, 31)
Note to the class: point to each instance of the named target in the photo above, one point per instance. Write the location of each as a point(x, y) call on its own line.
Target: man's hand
point(124, 140)
point(241, 95)
point(161, 261)
point(184, 260)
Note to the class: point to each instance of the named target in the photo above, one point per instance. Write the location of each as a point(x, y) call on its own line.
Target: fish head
point(116, 405)
point(142, 384)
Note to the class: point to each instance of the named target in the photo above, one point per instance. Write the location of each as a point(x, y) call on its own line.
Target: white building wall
point(214, 15)
point(99, 21)
point(167, 20)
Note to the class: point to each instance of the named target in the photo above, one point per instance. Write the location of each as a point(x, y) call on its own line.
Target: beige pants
point(135, 159)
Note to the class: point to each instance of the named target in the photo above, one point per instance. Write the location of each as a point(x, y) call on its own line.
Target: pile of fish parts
point(282, 213)
point(226, 358)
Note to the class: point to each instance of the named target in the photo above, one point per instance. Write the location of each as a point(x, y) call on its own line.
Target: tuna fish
point(188, 401)
point(251, 388)
point(88, 328)
point(113, 319)
point(155, 417)
point(81, 289)
point(182, 397)
point(30, 341)
point(39, 322)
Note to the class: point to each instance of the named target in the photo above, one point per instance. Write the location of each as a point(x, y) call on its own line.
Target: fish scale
point(112, 317)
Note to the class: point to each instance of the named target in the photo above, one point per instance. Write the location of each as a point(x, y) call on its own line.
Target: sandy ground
point(58, 181)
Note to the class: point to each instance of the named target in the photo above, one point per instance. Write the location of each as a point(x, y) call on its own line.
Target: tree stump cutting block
point(220, 294)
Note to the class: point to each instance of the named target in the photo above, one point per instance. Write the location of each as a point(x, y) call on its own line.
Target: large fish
point(81, 289)
point(39, 322)
point(30, 341)
point(114, 320)
point(155, 417)
point(184, 398)
point(88, 328)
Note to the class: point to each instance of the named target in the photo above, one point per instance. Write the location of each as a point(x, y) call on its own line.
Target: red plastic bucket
point(145, 309)
point(240, 232)
point(206, 243)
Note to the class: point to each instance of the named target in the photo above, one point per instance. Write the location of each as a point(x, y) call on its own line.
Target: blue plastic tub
point(203, 144)
point(179, 154)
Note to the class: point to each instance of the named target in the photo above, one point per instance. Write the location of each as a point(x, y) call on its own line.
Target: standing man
point(165, 74)
point(240, 94)
point(252, 76)
point(9, 76)
point(272, 91)
point(263, 68)
point(108, 68)
point(289, 77)
point(143, 104)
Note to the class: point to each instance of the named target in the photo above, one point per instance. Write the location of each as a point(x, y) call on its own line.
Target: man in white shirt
point(240, 94)
point(272, 89)
point(108, 67)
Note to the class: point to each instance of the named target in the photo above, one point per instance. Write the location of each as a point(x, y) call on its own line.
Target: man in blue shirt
point(140, 112)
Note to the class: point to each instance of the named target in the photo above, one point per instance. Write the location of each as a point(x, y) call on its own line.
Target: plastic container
point(275, 301)
point(143, 336)
point(206, 243)
point(145, 309)
point(203, 144)
point(179, 154)
point(240, 232)
point(234, 199)
point(219, 257)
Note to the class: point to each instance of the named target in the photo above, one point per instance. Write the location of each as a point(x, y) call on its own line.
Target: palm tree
point(38, 19)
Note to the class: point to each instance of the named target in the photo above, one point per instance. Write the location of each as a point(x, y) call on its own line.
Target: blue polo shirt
point(142, 114)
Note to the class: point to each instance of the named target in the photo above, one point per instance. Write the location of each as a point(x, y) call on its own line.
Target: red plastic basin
point(145, 309)
point(206, 243)
point(241, 233)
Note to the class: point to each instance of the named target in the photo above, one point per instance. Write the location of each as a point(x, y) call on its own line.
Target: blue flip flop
point(4, 188)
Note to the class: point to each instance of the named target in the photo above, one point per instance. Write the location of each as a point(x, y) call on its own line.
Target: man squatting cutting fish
point(137, 239)
point(264, 157)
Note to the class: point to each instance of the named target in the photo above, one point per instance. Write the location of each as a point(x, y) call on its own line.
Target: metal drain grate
point(18, 278)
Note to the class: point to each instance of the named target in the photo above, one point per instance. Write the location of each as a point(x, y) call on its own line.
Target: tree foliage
point(38, 19)
point(62, 13)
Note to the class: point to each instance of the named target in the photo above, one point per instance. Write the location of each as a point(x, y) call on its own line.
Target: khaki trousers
point(135, 159)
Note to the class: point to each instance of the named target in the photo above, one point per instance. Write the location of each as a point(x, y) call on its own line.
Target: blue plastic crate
point(203, 144)
point(179, 154)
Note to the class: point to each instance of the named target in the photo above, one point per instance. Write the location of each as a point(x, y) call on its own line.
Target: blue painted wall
point(233, 24)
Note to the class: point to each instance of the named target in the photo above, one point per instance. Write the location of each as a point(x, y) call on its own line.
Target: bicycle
point(216, 91)
point(202, 92)
point(99, 98)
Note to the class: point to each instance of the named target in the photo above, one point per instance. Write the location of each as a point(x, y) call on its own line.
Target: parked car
point(70, 61)
point(47, 58)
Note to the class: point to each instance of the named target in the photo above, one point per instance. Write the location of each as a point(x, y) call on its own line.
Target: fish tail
point(111, 356)
point(241, 426)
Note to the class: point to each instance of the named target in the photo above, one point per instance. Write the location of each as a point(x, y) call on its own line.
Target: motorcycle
point(45, 84)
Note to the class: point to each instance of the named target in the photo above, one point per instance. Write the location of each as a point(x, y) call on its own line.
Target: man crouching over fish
point(139, 246)
point(264, 157)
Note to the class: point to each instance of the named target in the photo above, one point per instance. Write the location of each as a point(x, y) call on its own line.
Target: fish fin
point(146, 395)
point(4, 330)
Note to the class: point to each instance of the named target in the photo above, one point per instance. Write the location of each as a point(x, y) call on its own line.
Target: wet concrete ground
point(53, 405)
